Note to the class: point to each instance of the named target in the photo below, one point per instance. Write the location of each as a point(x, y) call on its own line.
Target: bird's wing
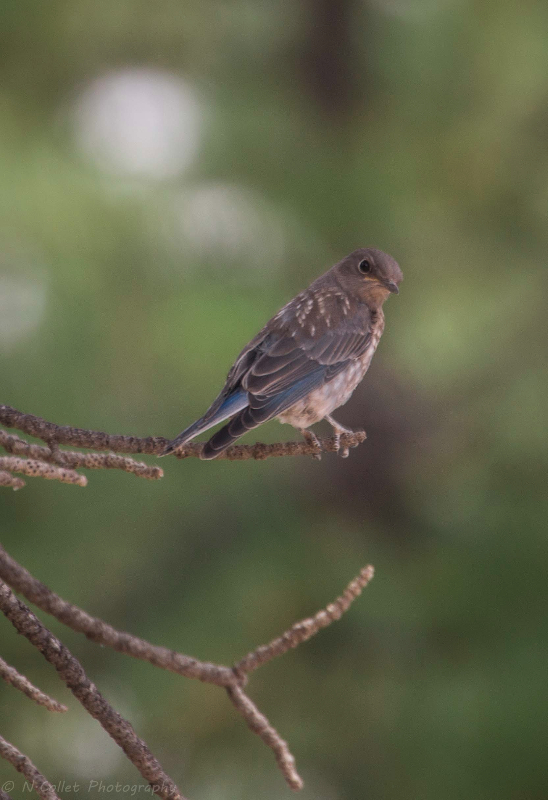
point(289, 358)
point(288, 363)
point(291, 361)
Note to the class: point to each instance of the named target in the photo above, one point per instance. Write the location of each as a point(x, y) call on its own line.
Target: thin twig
point(20, 447)
point(74, 460)
point(78, 437)
point(306, 628)
point(24, 765)
point(40, 469)
point(98, 631)
point(7, 479)
point(154, 445)
point(11, 676)
point(260, 451)
point(260, 725)
point(109, 461)
point(72, 674)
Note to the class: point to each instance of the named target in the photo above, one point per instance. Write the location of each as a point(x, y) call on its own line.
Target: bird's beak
point(392, 287)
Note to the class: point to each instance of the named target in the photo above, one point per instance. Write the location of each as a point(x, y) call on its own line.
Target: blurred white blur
point(141, 123)
point(229, 221)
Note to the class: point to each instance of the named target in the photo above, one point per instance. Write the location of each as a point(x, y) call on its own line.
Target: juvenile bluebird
point(308, 359)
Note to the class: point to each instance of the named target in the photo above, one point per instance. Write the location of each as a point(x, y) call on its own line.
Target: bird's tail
point(256, 411)
point(238, 425)
point(230, 406)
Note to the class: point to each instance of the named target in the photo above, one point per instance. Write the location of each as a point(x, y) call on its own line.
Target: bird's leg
point(338, 428)
point(311, 438)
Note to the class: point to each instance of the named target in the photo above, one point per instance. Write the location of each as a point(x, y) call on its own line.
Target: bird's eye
point(364, 266)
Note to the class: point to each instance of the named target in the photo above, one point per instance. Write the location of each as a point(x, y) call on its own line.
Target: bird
point(308, 359)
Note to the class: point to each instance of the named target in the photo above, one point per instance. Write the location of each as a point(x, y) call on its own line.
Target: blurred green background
point(171, 174)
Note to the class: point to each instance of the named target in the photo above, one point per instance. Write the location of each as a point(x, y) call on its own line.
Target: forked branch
point(232, 678)
point(303, 630)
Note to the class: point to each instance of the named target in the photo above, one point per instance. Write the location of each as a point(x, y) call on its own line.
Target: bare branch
point(75, 460)
point(4, 795)
point(40, 469)
point(72, 674)
point(7, 479)
point(109, 461)
point(78, 437)
point(154, 445)
point(24, 765)
point(260, 451)
point(19, 447)
point(10, 675)
point(98, 631)
point(260, 725)
point(306, 628)
point(233, 679)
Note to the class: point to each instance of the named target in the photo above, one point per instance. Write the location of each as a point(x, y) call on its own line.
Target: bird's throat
point(375, 295)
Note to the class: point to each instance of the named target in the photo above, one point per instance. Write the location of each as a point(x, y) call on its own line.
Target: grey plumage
point(309, 357)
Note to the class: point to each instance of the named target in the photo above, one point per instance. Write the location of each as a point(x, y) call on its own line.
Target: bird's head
point(371, 274)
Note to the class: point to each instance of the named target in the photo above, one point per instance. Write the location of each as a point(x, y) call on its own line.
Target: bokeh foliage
point(415, 126)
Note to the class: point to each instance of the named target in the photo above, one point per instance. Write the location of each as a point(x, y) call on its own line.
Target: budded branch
point(55, 435)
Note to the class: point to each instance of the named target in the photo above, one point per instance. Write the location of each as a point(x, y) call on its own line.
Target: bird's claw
point(338, 431)
point(313, 440)
point(343, 450)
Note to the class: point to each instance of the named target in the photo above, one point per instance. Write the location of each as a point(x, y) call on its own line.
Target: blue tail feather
point(230, 406)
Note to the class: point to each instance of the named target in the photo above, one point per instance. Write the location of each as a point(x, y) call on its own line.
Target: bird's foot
point(312, 439)
point(339, 429)
point(344, 452)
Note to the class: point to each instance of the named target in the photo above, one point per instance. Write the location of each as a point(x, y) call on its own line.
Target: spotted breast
point(337, 392)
